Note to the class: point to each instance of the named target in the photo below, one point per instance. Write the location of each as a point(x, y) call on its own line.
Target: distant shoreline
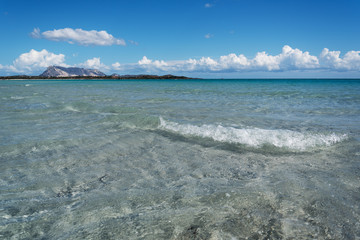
point(151, 77)
point(112, 77)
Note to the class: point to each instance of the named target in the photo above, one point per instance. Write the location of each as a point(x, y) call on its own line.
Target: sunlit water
point(199, 159)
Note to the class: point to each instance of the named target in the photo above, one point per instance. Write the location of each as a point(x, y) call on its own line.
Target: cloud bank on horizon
point(79, 36)
point(289, 59)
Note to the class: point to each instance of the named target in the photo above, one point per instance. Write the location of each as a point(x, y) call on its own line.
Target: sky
point(196, 38)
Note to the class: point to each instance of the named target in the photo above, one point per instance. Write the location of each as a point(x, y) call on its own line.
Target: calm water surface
point(194, 159)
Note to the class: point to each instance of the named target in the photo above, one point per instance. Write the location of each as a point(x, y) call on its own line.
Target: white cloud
point(352, 60)
point(296, 59)
point(208, 5)
point(264, 61)
point(144, 61)
point(93, 63)
point(116, 66)
point(79, 36)
point(289, 59)
point(149, 65)
point(332, 60)
point(208, 36)
point(35, 60)
point(233, 61)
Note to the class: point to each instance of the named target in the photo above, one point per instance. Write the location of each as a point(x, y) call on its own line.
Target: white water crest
point(255, 137)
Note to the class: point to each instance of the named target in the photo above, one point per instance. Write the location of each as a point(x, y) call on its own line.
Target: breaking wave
point(255, 137)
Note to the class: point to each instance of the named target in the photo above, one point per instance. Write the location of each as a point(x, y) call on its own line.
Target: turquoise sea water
point(189, 159)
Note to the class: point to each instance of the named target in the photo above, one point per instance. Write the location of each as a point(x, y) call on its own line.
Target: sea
point(180, 159)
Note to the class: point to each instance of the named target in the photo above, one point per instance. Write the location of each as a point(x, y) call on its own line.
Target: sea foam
point(255, 137)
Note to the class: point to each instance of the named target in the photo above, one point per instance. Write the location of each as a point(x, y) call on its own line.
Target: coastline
point(119, 77)
point(154, 77)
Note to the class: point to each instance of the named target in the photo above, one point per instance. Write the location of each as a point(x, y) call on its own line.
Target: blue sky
point(201, 38)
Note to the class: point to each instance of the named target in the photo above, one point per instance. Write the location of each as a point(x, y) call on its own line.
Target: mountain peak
point(58, 71)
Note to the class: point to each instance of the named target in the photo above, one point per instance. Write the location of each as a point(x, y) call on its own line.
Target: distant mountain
point(57, 71)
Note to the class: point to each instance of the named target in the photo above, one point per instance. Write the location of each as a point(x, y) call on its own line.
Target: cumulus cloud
point(144, 61)
point(296, 59)
point(93, 63)
point(332, 60)
point(116, 66)
point(233, 61)
point(352, 59)
point(289, 59)
point(208, 5)
point(35, 60)
point(149, 65)
point(79, 36)
point(264, 61)
point(208, 36)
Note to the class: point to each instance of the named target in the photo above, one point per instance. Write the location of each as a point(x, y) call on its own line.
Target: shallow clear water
point(196, 159)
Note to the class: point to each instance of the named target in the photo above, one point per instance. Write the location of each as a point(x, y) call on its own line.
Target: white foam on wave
point(71, 109)
point(255, 137)
point(16, 97)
